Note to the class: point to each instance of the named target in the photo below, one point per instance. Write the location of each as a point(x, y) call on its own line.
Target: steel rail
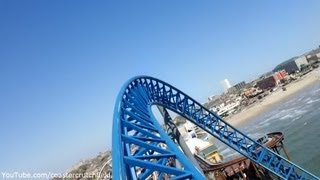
point(141, 148)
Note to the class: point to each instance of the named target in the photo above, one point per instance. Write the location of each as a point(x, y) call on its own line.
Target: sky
point(62, 63)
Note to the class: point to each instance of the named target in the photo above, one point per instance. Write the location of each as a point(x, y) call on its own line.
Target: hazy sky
point(62, 63)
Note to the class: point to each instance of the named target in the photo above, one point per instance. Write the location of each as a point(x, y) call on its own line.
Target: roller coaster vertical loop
point(142, 149)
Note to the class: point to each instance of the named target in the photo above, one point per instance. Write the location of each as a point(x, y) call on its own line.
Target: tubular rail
point(142, 149)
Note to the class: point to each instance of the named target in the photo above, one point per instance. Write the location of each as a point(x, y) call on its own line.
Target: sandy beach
point(274, 98)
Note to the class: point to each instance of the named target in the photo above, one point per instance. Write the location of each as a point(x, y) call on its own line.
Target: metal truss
point(141, 149)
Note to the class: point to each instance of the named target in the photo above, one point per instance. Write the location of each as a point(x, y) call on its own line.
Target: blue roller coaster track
point(142, 149)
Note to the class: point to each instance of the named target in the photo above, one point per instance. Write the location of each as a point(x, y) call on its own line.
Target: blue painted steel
point(141, 148)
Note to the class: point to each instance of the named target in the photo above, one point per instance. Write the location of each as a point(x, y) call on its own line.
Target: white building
point(300, 61)
point(226, 85)
point(213, 97)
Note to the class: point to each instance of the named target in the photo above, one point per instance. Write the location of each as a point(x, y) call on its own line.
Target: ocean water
point(299, 119)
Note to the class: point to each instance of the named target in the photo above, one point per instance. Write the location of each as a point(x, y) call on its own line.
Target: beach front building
point(267, 83)
point(292, 65)
point(272, 81)
point(313, 56)
point(252, 92)
point(227, 109)
point(281, 75)
point(213, 97)
point(312, 59)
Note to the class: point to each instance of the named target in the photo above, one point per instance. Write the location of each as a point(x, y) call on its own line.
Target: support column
point(173, 131)
point(285, 151)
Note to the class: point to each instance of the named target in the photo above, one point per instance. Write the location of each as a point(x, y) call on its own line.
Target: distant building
point(300, 61)
point(271, 81)
point(278, 76)
point(267, 83)
point(292, 65)
point(237, 88)
point(226, 85)
point(240, 86)
point(313, 56)
point(252, 92)
point(232, 90)
point(213, 97)
point(267, 74)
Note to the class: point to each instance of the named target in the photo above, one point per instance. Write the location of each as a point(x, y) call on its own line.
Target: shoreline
point(274, 98)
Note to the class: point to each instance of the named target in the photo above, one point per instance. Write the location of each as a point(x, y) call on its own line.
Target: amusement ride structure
point(142, 149)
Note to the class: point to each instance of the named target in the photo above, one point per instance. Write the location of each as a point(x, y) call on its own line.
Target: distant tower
point(226, 85)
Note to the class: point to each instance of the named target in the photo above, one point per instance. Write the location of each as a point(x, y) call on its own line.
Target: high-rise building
point(237, 87)
point(226, 85)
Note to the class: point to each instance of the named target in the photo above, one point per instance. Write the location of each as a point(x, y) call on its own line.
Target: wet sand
point(274, 98)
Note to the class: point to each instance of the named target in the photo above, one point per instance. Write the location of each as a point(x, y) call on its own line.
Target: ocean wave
point(256, 135)
point(306, 99)
point(261, 125)
point(296, 118)
point(312, 101)
point(300, 99)
point(287, 117)
point(294, 114)
point(288, 113)
point(300, 123)
point(316, 90)
point(300, 112)
point(266, 121)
